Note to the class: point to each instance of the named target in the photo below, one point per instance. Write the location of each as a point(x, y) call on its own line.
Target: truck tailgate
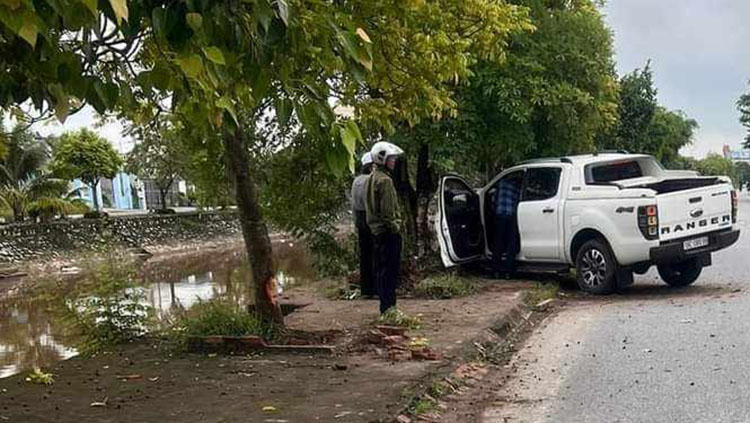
point(694, 211)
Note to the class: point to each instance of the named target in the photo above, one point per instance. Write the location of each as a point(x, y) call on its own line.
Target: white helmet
point(366, 159)
point(382, 150)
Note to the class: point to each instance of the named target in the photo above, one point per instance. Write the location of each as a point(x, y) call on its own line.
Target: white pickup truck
point(609, 215)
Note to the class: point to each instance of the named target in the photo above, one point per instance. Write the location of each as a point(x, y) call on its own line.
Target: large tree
point(85, 155)
point(743, 105)
point(25, 182)
point(159, 155)
point(644, 126)
point(224, 67)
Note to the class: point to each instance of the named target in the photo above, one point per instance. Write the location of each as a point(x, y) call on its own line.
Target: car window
point(541, 183)
point(617, 171)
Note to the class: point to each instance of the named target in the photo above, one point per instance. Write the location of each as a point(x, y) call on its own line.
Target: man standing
point(366, 263)
point(506, 243)
point(381, 205)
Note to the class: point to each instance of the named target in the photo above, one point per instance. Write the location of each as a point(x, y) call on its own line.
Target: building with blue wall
point(123, 192)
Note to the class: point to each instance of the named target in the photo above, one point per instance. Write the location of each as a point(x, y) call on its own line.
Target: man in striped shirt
point(505, 223)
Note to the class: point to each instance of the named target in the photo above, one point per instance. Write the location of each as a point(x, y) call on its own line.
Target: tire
point(596, 268)
point(680, 274)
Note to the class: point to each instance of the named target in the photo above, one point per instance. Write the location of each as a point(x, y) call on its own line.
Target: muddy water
point(31, 336)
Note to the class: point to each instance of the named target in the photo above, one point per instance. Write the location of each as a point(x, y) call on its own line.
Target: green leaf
point(226, 104)
point(92, 6)
point(264, 13)
point(215, 55)
point(194, 20)
point(351, 43)
point(28, 30)
point(160, 77)
point(120, 7)
point(283, 110)
point(192, 65)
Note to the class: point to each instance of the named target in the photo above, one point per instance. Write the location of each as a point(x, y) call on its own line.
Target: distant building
point(153, 195)
point(123, 192)
point(740, 155)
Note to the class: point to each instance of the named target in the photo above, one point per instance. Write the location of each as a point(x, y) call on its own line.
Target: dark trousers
point(366, 257)
point(505, 245)
point(388, 261)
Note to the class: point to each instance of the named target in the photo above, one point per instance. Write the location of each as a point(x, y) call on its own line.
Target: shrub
point(445, 287)
point(395, 317)
point(40, 378)
point(219, 317)
point(109, 309)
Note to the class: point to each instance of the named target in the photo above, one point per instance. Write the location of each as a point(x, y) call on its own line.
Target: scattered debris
point(99, 403)
point(403, 419)
point(544, 305)
point(343, 414)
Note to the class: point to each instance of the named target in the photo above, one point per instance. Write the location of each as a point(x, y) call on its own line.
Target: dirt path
point(142, 383)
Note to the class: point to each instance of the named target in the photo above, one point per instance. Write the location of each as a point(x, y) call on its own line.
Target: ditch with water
point(31, 335)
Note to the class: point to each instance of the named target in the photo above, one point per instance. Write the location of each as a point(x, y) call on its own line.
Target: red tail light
point(648, 221)
point(735, 205)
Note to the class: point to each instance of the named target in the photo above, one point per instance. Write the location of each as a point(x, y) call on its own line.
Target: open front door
point(459, 222)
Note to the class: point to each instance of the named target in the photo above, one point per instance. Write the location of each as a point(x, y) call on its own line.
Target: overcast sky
point(700, 56)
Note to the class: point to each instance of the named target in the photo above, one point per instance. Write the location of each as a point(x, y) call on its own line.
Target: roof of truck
point(585, 159)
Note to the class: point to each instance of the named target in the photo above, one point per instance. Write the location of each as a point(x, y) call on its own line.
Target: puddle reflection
point(30, 336)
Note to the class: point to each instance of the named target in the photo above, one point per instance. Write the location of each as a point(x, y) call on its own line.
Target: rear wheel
point(595, 268)
point(680, 274)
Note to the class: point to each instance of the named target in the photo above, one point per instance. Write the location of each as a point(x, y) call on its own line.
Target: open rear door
point(459, 222)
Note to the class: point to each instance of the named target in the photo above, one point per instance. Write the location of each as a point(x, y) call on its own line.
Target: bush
point(445, 287)
point(109, 310)
point(217, 317)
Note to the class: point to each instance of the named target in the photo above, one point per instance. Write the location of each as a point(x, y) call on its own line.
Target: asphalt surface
point(650, 354)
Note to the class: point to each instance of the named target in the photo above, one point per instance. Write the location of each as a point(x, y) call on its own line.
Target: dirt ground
point(143, 383)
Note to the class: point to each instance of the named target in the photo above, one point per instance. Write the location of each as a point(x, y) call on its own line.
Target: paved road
point(651, 354)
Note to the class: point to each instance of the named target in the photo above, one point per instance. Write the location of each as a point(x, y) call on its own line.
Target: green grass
point(339, 289)
point(40, 378)
point(395, 317)
point(217, 317)
point(541, 292)
point(445, 286)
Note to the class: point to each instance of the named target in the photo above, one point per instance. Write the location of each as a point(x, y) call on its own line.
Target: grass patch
point(217, 317)
point(40, 378)
point(395, 317)
point(339, 289)
point(541, 292)
point(445, 287)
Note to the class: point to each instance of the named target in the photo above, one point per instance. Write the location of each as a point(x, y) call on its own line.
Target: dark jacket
point(381, 204)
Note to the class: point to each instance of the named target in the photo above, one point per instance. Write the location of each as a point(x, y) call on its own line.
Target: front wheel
point(595, 268)
point(680, 274)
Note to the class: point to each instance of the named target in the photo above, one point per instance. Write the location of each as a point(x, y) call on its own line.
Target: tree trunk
point(254, 229)
point(163, 196)
point(94, 195)
point(426, 187)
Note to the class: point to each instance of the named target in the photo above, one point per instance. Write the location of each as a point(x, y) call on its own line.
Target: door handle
point(548, 210)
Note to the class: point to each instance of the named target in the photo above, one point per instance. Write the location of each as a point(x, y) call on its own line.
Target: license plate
point(692, 244)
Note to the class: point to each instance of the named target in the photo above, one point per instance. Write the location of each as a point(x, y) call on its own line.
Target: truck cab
point(608, 215)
